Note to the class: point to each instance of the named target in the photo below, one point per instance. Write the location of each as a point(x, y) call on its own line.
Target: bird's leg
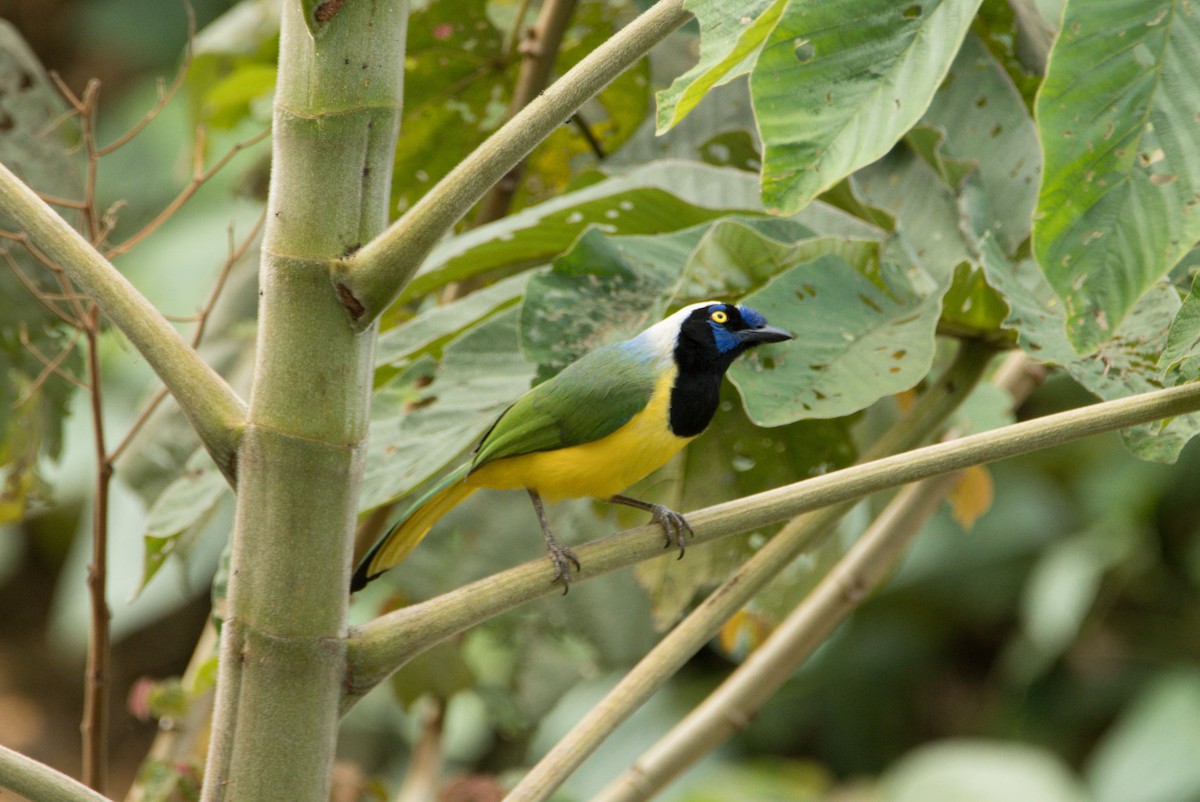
point(560, 555)
point(675, 525)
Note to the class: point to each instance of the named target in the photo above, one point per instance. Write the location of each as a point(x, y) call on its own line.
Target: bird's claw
point(562, 558)
point(675, 526)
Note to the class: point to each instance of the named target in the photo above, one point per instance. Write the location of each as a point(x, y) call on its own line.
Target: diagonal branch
point(39, 782)
point(210, 404)
point(370, 279)
point(378, 648)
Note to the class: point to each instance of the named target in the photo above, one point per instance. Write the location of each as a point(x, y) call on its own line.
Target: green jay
point(606, 421)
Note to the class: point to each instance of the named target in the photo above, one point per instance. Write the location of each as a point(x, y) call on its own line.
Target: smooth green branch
point(40, 783)
point(379, 647)
point(372, 277)
point(211, 405)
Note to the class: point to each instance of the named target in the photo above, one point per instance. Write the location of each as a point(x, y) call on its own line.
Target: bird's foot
point(562, 558)
point(674, 525)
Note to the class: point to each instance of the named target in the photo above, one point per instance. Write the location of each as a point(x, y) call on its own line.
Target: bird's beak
point(767, 334)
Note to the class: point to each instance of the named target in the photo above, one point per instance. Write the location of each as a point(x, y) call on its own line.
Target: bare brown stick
point(201, 318)
point(68, 203)
point(164, 96)
point(43, 298)
point(538, 49)
point(97, 690)
point(199, 178)
point(514, 33)
point(425, 765)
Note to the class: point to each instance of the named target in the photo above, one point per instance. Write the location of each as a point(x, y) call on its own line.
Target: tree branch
point(40, 783)
point(378, 648)
point(209, 403)
point(372, 277)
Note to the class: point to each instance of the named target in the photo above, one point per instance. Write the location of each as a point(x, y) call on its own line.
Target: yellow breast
point(598, 469)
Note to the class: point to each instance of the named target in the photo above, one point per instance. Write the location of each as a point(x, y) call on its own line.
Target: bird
point(604, 422)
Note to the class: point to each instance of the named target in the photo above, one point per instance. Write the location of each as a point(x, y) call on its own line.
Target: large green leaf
point(1123, 364)
point(1117, 117)
point(400, 345)
point(664, 196)
point(986, 122)
point(730, 41)
point(858, 340)
point(832, 96)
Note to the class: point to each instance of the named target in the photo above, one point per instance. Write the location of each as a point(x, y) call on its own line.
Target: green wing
point(588, 400)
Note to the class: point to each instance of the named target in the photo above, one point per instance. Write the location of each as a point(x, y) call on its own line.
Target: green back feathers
point(590, 399)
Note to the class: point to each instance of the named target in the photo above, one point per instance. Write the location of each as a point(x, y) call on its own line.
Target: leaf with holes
point(730, 41)
point(832, 97)
point(863, 332)
point(1120, 201)
point(1123, 365)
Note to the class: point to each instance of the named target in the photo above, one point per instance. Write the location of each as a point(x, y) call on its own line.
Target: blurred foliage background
point(1044, 653)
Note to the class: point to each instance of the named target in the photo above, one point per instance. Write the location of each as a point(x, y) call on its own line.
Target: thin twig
point(164, 97)
point(201, 317)
point(198, 180)
point(538, 49)
point(68, 203)
point(425, 764)
point(51, 367)
point(43, 298)
point(97, 690)
point(514, 33)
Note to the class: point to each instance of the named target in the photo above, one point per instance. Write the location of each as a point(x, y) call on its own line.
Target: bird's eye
point(719, 316)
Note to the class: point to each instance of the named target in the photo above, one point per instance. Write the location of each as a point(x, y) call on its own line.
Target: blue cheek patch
point(724, 339)
point(754, 318)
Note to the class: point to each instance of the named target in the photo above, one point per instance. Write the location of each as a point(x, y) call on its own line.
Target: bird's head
point(709, 336)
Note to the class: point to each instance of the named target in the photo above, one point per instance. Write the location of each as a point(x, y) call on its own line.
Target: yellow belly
point(598, 469)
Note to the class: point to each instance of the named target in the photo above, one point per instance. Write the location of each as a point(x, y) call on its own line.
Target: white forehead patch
point(662, 337)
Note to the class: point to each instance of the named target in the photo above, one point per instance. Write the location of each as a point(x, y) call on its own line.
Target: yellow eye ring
point(719, 316)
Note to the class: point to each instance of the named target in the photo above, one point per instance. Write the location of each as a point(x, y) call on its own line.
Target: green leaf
point(986, 121)
point(420, 427)
point(242, 41)
point(400, 345)
point(1150, 753)
point(40, 143)
point(730, 41)
point(181, 513)
point(1182, 352)
point(244, 92)
point(1123, 365)
point(664, 196)
point(1118, 204)
point(859, 340)
point(831, 97)
point(981, 771)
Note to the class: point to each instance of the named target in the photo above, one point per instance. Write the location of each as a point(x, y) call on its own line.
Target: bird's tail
point(406, 533)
